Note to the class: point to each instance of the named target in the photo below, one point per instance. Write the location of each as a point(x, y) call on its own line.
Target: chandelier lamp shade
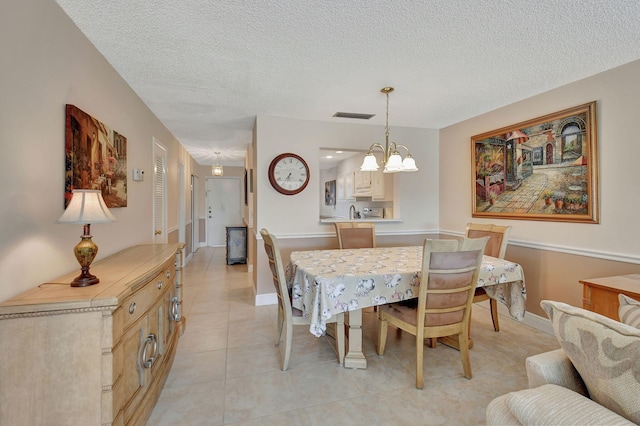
point(217, 169)
point(86, 207)
point(392, 160)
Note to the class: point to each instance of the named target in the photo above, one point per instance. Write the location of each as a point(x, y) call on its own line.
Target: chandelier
point(392, 160)
point(217, 169)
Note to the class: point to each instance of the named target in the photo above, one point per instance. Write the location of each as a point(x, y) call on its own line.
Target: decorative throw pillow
point(605, 352)
point(629, 311)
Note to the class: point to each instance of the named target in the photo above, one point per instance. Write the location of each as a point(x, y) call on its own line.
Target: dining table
point(326, 282)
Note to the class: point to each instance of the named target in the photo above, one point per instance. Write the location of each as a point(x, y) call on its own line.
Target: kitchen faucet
point(356, 213)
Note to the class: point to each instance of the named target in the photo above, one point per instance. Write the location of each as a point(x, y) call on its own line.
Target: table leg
point(355, 356)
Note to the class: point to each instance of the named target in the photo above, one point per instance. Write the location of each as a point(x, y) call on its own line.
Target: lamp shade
point(217, 170)
point(394, 164)
point(369, 164)
point(86, 206)
point(409, 164)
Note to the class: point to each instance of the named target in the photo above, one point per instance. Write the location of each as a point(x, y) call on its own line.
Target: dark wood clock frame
point(272, 178)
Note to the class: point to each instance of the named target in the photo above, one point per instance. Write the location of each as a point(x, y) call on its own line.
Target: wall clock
point(288, 174)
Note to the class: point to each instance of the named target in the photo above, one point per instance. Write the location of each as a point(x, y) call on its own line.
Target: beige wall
point(556, 255)
point(47, 63)
point(297, 217)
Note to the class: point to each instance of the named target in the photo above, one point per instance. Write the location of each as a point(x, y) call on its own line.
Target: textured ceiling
point(208, 68)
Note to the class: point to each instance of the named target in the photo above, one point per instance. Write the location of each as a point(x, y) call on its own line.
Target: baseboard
point(530, 319)
point(539, 323)
point(266, 299)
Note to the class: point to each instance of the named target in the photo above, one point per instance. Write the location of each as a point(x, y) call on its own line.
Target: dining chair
point(448, 279)
point(496, 247)
point(356, 234)
point(288, 316)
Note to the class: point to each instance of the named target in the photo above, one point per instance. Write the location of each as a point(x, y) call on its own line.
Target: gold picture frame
point(541, 169)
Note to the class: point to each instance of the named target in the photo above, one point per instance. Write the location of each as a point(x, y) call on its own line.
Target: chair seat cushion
point(409, 314)
point(605, 352)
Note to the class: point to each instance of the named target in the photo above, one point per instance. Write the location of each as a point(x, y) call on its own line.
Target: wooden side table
point(601, 294)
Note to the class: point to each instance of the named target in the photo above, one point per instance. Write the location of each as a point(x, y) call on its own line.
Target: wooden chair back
point(450, 271)
point(356, 234)
point(496, 247)
point(498, 237)
point(448, 280)
point(277, 271)
point(288, 316)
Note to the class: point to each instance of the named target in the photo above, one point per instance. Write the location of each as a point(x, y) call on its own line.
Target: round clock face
point(288, 174)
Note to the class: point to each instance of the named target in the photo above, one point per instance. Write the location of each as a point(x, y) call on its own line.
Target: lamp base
point(85, 252)
point(84, 280)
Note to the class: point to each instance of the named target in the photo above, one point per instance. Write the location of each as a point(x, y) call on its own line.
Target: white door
point(159, 193)
point(223, 208)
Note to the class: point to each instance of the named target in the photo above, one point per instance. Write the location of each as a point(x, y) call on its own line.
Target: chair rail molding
point(618, 257)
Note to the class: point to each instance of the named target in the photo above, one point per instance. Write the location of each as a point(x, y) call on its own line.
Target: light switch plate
point(138, 175)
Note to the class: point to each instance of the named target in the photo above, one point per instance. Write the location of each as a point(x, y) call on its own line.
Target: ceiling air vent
point(353, 115)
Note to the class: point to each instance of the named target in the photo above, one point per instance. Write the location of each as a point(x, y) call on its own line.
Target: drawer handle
point(145, 361)
point(168, 274)
point(132, 307)
point(159, 285)
point(175, 309)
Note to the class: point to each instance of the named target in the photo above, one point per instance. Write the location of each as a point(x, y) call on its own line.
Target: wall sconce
point(392, 160)
point(86, 207)
point(217, 169)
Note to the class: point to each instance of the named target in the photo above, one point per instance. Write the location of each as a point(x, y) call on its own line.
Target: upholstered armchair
point(594, 379)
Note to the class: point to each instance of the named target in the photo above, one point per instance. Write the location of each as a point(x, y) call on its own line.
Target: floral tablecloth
point(326, 282)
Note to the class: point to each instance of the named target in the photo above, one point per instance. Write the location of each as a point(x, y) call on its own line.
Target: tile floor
point(226, 369)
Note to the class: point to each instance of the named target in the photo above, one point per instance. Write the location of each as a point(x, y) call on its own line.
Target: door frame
point(159, 148)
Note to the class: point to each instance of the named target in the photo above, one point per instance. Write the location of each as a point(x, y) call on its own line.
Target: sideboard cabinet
point(96, 355)
point(601, 294)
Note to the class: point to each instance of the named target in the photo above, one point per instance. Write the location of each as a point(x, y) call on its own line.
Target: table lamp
point(86, 207)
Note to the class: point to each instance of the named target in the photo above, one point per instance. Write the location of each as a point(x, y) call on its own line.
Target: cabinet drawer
point(141, 301)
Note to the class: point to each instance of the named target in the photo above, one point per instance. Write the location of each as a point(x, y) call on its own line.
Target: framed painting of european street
point(542, 169)
point(96, 158)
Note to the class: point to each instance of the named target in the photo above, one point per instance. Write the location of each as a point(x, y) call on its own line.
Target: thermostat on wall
point(138, 175)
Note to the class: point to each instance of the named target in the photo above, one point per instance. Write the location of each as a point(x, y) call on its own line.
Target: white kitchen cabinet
point(378, 186)
point(362, 183)
point(345, 186)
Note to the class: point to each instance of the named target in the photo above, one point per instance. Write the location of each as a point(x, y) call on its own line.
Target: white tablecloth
point(326, 282)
